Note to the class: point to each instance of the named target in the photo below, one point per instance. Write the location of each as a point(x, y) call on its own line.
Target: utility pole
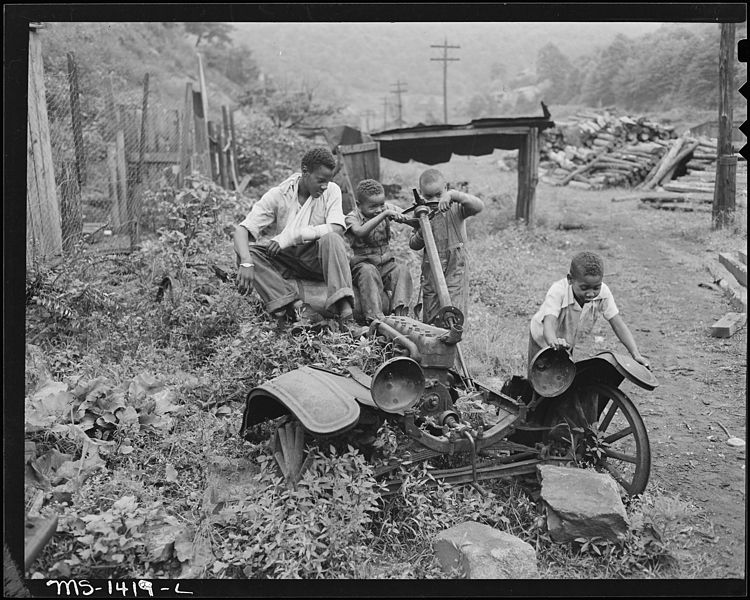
point(398, 91)
point(385, 111)
point(367, 114)
point(726, 164)
point(444, 59)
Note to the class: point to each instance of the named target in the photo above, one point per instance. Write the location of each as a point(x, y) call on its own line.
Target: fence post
point(233, 150)
point(221, 156)
point(226, 147)
point(75, 117)
point(187, 139)
point(70, 206)
point(134, 215)
point(43, 225)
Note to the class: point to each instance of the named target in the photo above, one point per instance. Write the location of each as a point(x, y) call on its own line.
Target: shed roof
point(434, 144)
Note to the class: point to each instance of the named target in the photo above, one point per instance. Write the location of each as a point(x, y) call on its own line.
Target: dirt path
point(702, 379)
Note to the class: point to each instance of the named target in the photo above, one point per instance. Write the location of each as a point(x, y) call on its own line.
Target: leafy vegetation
point(137, 368)
point(132, 402)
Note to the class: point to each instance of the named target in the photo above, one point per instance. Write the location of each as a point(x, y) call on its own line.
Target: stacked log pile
point(593, 151)
point(692, 189)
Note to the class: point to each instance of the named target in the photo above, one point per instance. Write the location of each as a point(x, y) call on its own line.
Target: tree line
point(672, 67)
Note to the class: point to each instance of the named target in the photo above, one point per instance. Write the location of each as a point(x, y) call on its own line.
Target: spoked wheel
point(622, 446)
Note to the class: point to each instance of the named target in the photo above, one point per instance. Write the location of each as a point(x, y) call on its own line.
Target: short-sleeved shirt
point(376, 244)
point(279, 205)
point(573, 321)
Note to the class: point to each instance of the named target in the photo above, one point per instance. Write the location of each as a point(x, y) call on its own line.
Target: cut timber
point(665, 196)
point(736, 294)
point(728, 325)
point(676, 206)
point(665, 164)
point(38, 532)
point(677, 187)
point(735, 267)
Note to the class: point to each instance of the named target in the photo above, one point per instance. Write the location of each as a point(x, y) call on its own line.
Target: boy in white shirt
point(296, 231)
point(572, 306)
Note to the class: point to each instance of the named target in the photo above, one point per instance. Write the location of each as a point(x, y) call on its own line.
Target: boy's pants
point(454, 264)
point(371, 280)
point(325, 259)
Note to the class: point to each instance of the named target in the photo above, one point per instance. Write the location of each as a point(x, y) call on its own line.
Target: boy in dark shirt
point(374, 268)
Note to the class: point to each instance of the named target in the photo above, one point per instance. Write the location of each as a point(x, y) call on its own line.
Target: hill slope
point(360, 63)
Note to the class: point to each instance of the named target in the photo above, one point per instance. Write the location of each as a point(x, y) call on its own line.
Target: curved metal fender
point(324, 403)
point(626, 366)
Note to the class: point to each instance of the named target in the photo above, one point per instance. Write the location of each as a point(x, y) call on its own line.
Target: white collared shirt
point(573, 321)
point(278, 208)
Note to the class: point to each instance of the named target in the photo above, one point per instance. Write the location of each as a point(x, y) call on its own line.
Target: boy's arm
point(549, 328)
point(360, 230)
point(623, 334)
point(470, 203)
point(416, 241)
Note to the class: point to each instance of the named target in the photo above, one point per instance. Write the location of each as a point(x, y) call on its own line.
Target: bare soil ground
point(654, 262)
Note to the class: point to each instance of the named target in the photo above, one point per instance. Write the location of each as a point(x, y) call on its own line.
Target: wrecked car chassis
point(560, 412)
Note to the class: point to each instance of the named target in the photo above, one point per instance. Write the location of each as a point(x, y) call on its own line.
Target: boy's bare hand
point(560, 344)
point(273, 248)
point(445, 201)
point(245, 277)
point(398, 217)
point(641, 359)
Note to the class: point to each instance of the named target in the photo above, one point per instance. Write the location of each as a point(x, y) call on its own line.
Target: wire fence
point(100, 143)
point(107, 148)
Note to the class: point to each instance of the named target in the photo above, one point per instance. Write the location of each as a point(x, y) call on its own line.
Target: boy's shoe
point(401, 311)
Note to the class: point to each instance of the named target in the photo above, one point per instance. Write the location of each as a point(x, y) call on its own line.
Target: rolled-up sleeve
point(334, 208)
point(262, 214)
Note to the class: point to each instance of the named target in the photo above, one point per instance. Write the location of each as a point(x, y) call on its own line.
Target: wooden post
point(201, 135)
point(212, 158)
point(122, 171)
point(726, 165)
point(204, 91)
point(221, 156)
point(226, 152)
point(521, 177)
point(114, 186)
point(233, 151)
point(115, 157)
point(532, 174)
point(136, 198)
point(43, 226)
point(75, 117)
point(187, 140)
point(201, 158)
point(70, 207)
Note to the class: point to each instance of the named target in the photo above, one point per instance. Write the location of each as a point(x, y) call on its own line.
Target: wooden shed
point(435, 144)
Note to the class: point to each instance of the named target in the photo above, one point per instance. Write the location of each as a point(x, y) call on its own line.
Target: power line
point(398, 91)
point(367, 114)
point(444, 59)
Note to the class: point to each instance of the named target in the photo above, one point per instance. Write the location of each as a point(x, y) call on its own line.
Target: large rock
point(582, 503)
point(481, 552)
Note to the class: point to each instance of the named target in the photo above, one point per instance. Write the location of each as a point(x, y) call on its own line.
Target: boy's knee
point(366, 270)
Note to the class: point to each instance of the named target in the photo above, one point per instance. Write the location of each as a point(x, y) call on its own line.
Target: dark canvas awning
point(435, 144)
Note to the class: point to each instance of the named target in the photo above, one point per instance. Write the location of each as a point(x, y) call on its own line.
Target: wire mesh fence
point(106, 143)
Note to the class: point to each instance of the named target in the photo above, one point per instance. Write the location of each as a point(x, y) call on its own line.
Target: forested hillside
point(503, 68)
point(348, 72)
